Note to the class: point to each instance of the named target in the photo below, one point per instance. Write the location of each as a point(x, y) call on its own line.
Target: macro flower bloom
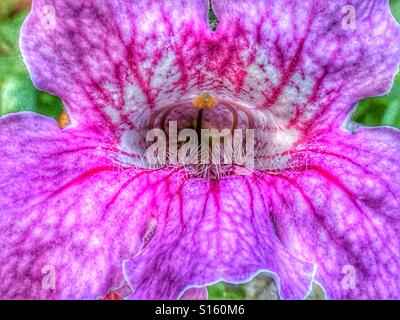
point(81, 214)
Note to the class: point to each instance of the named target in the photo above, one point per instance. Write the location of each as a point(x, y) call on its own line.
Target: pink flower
point(80, 212)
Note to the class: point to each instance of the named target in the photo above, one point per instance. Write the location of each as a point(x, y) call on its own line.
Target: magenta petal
point(108, 59)
point(64, 230)
point(341, 211)
point(335, 208)
point(69, 211)
point(214, 230)
point(307, 59)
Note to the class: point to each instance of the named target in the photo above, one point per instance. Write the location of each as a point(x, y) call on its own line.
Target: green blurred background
point(18, 94)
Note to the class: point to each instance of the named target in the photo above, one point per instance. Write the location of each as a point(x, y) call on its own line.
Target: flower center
point(211, 136)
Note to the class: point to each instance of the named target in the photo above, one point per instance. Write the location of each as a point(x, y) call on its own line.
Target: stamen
point(205, 100)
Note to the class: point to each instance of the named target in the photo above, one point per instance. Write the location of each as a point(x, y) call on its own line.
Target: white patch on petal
point(114, 115)
point(70, 219)
point(272, 140)
point(285, 22)
point(148, 21)
point(260, 75)
point(165, 74)
point(131, 144)
point(285, 139)
point(380, 29)
point(135, 99)
point(95, 241)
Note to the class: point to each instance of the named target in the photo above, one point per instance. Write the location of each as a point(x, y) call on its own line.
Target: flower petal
point(116, 63)
point(107, 59)
point(313, 59)
point(336, 208)
point(214, 230)
point(341, 211)
point(67, 216)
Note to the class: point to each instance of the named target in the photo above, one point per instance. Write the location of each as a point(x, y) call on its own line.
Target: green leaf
point(49, 105)
point(379, 111)
point(391, 116)
point(223, 291)
point(9, 34)
point(17, 94)
point(16, 90)
point(395, 6)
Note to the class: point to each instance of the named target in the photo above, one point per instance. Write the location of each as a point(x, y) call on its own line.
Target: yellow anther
point(205, 100)
point(63, 120)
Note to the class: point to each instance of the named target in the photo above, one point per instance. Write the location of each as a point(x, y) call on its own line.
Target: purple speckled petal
point(319, 209)
point(214, 230)
point(78, 214)
point(338, 207)
point(110, 59)
point(65, 208)
point(310, 64)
